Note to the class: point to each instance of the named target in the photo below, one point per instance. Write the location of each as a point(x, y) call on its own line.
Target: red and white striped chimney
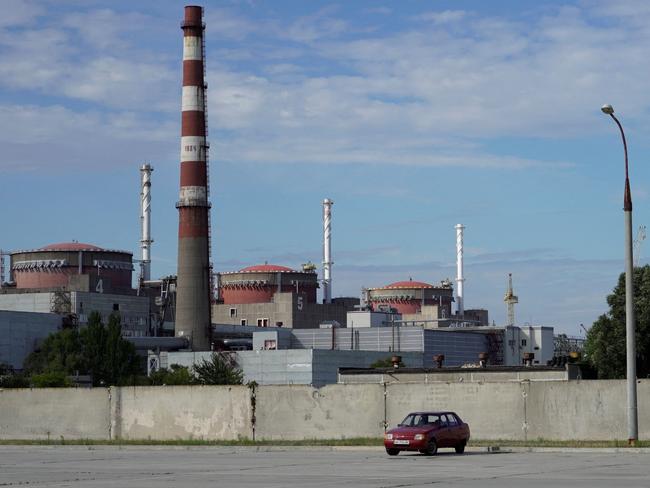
point(193, 319)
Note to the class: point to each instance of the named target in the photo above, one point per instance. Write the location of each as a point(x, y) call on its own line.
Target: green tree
point(10, 379)
point(385, 363)
point(605, 344)
point(109, 358)
point(96, 349)
point(52, 379)
point(60, 352)
point(175, 375)
point(220, 369)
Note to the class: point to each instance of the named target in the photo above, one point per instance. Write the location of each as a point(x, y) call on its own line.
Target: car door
point(454, 430)
point(443, 433)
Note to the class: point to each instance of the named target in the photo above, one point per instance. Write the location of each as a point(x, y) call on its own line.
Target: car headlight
point(419, 437)
point(389, 437)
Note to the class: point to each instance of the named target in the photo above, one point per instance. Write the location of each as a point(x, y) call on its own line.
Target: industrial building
point(313, 356)
point(22, 332)
point(72, 280)
point(411, 297)
point(269, 295)
point(68, 281)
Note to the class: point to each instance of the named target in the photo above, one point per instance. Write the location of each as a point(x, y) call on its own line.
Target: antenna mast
point(510, 298)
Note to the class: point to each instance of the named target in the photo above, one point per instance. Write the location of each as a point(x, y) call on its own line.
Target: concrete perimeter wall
point(555, 410)
point(54, 413)
point(331, 412)
point(181, 412)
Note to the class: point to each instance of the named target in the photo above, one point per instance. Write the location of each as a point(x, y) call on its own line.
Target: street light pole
point(630, 344)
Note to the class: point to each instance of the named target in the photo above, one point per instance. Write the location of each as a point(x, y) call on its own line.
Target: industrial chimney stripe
point(193, 290)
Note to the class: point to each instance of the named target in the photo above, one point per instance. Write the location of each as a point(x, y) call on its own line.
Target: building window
point(233, 313)
point(116, 307)
point(262, 322)
point(279, 324)
point(243, 321)
point(536, 348)
point(259, 322)
point(81, 306)
point(523, 342)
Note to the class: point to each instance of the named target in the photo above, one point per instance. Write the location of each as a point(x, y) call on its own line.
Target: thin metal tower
point(327, 250)
point(510, 298)
point(145, 221)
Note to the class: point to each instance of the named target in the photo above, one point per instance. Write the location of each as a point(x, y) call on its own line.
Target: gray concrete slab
point(103, 466)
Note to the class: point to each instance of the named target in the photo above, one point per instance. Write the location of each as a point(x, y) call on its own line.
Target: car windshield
point(420, 419)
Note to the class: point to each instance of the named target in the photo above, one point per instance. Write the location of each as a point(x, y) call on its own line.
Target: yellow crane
point(510, 298)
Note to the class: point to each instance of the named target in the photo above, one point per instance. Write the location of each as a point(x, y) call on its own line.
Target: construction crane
point(510, 298)
point(640, 237)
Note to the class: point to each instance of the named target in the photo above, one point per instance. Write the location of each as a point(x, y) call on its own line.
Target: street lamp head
point(607, 109)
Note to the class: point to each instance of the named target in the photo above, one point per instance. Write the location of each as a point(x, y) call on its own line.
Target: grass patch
point(357, 441)
point(551, 443)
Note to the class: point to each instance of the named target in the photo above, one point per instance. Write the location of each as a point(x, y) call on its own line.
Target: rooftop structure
point(64, 264)
point(409, 297)
point(259, 284)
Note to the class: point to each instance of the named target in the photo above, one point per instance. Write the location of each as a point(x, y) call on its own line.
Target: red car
point(426, 432)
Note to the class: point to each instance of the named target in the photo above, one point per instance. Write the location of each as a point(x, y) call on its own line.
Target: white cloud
point(19, 12)
point(379, 10)
point(225, 24)
point(35, 137)
point(442, 17)
point(430, 95)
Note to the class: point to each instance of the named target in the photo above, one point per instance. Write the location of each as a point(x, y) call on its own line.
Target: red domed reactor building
point(269, 295)
point(61, 266)
point(258, 284)
point(410, 298)
point(74, 279)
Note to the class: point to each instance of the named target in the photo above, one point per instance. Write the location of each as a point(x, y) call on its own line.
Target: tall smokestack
point(459, 270)
point(193, 284)
point(327, 250)
point(145, 220)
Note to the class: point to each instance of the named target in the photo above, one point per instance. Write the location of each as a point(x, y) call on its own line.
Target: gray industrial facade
point(22, 332)
point(286, 309)
point(315, 367)
point(133, 310)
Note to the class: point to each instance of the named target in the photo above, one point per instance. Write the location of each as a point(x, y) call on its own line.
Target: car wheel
point(392, 452)
point(460, 448)
point(432, 448)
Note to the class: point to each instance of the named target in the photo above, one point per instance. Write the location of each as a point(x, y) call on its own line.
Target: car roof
point(432, 412)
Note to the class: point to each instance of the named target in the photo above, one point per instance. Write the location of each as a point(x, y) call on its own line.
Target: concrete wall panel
point(54, 413)
point(331, 412)
point(594, 410)
point(493, 411)
point(181, 412)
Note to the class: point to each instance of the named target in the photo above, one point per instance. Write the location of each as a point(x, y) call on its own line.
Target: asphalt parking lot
point(145, 466)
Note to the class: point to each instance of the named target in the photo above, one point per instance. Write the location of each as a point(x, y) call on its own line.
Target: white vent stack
point(145, 220)
point(459, 270)
point(327, 250)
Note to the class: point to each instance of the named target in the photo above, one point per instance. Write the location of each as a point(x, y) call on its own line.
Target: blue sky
point(412, 116)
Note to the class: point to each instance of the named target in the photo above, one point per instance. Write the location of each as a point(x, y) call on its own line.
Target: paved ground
point(103, 466)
